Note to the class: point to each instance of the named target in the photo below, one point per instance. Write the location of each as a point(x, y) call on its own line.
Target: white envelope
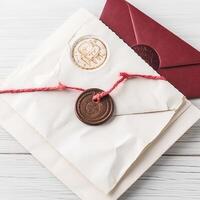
point(96, 160)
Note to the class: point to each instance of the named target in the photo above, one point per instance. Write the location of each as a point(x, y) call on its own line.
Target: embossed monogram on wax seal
point(89, 53)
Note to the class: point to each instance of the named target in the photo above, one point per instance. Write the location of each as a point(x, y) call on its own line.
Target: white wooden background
point(23, 25)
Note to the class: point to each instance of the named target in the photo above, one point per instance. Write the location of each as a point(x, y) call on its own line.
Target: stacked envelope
point(95, 162)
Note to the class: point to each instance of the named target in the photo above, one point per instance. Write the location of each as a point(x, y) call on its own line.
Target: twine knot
point(125, 75)
point(61, 86)
point(97, 97)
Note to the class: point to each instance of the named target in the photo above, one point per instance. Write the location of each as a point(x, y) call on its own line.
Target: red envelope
point(169, 55)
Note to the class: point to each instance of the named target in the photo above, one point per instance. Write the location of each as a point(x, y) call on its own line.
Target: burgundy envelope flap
point(153, 42)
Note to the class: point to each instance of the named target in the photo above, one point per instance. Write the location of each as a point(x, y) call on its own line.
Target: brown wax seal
point(94, 112)
point(148, 54)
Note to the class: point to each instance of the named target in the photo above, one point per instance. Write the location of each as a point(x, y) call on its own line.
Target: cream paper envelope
point(100, 155)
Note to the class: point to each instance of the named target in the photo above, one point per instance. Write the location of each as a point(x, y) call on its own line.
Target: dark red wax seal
point(94, 112)
point(148, 54)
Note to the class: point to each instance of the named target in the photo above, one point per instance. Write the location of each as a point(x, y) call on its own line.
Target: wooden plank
point(172, 177)
point(9, 145)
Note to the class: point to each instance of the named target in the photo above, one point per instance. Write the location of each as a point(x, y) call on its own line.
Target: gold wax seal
point(89, 53)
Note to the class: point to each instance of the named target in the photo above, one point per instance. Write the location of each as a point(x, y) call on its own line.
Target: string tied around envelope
point(125, 76)
point(97, 97)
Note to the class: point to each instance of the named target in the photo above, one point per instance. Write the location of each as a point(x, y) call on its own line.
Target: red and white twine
point(97, 97)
